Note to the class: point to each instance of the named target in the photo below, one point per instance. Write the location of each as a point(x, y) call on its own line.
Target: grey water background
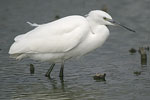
point(113, 58)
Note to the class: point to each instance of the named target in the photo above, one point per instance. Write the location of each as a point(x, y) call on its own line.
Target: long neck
point(91, 22)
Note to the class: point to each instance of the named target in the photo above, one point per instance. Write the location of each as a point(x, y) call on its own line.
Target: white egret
point(68, 37)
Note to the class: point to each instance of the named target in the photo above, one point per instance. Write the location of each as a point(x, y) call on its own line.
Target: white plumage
point(57, 41)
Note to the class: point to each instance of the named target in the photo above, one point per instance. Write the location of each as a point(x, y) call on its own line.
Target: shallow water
point(113, 58)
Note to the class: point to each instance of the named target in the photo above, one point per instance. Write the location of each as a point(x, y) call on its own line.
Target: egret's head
point(103, 18)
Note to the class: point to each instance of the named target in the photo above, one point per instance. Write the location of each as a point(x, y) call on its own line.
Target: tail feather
point(18, 56)
point(17, 51)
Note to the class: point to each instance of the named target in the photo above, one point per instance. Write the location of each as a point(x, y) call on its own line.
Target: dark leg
point(50, 70)
point(61, 74)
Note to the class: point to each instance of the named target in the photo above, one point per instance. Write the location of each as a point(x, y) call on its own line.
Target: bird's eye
point(104, 18)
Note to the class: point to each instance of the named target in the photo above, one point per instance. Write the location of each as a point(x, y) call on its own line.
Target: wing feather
point(58, 36)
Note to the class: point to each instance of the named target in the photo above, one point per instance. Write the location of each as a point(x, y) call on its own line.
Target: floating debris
point(57, 17)
point(132, 50)
point(143, 56)
point(99, 77)
point(31, 69)
point(137, 73)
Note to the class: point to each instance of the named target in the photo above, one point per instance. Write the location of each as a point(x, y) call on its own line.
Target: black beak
point(116, 23)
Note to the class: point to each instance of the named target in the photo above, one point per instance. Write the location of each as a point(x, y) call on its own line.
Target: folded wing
point(55, 37)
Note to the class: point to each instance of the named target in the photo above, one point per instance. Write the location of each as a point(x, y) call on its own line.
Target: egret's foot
point(49, 70)
point(47, 75)
point(61, 74)
point(61, 79)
